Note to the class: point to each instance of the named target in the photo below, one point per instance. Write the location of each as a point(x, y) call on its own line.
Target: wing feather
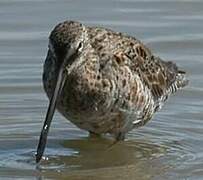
point(162, 78)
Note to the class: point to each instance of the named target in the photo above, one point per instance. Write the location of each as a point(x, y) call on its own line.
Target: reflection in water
point(84, 157)
point(93, 158)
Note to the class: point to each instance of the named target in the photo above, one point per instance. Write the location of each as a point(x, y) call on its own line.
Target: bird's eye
point(80, 45)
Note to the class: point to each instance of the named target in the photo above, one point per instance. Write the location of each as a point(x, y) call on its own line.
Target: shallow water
point(168, 147)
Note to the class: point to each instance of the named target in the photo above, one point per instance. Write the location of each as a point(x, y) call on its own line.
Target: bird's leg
point(94, 135)
point(118, 137)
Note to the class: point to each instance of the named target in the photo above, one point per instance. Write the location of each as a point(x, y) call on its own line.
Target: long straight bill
point(52, 104)
point(50, 112)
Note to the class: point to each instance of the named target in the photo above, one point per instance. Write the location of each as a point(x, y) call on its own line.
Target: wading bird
point(104, 81)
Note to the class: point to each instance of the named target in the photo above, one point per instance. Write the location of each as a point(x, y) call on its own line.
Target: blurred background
point(168, 147)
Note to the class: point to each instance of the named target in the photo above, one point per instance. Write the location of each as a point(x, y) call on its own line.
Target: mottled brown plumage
point(113, 82)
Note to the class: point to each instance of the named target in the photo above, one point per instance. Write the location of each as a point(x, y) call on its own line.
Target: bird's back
point(142, 78)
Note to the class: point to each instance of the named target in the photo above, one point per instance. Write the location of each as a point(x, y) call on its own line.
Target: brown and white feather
point(120, 85)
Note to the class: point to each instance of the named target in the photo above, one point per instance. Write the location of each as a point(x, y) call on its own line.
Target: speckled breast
point(86, 105)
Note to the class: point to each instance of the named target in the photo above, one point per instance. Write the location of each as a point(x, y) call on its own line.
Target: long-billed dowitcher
point(104, 81)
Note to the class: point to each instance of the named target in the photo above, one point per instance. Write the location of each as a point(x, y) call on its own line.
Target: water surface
point(168, 147)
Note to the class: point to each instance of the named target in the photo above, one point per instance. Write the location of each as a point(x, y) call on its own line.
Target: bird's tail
point(180, 79)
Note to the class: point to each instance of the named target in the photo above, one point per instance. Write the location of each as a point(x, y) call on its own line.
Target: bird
point(104, 81)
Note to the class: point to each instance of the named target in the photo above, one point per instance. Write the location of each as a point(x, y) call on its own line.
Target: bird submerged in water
point(104, 81)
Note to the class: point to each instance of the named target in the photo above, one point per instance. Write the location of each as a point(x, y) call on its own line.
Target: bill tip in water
point(38, 157)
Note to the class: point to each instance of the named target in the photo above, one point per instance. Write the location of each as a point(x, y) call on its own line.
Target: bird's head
point(66, 42)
